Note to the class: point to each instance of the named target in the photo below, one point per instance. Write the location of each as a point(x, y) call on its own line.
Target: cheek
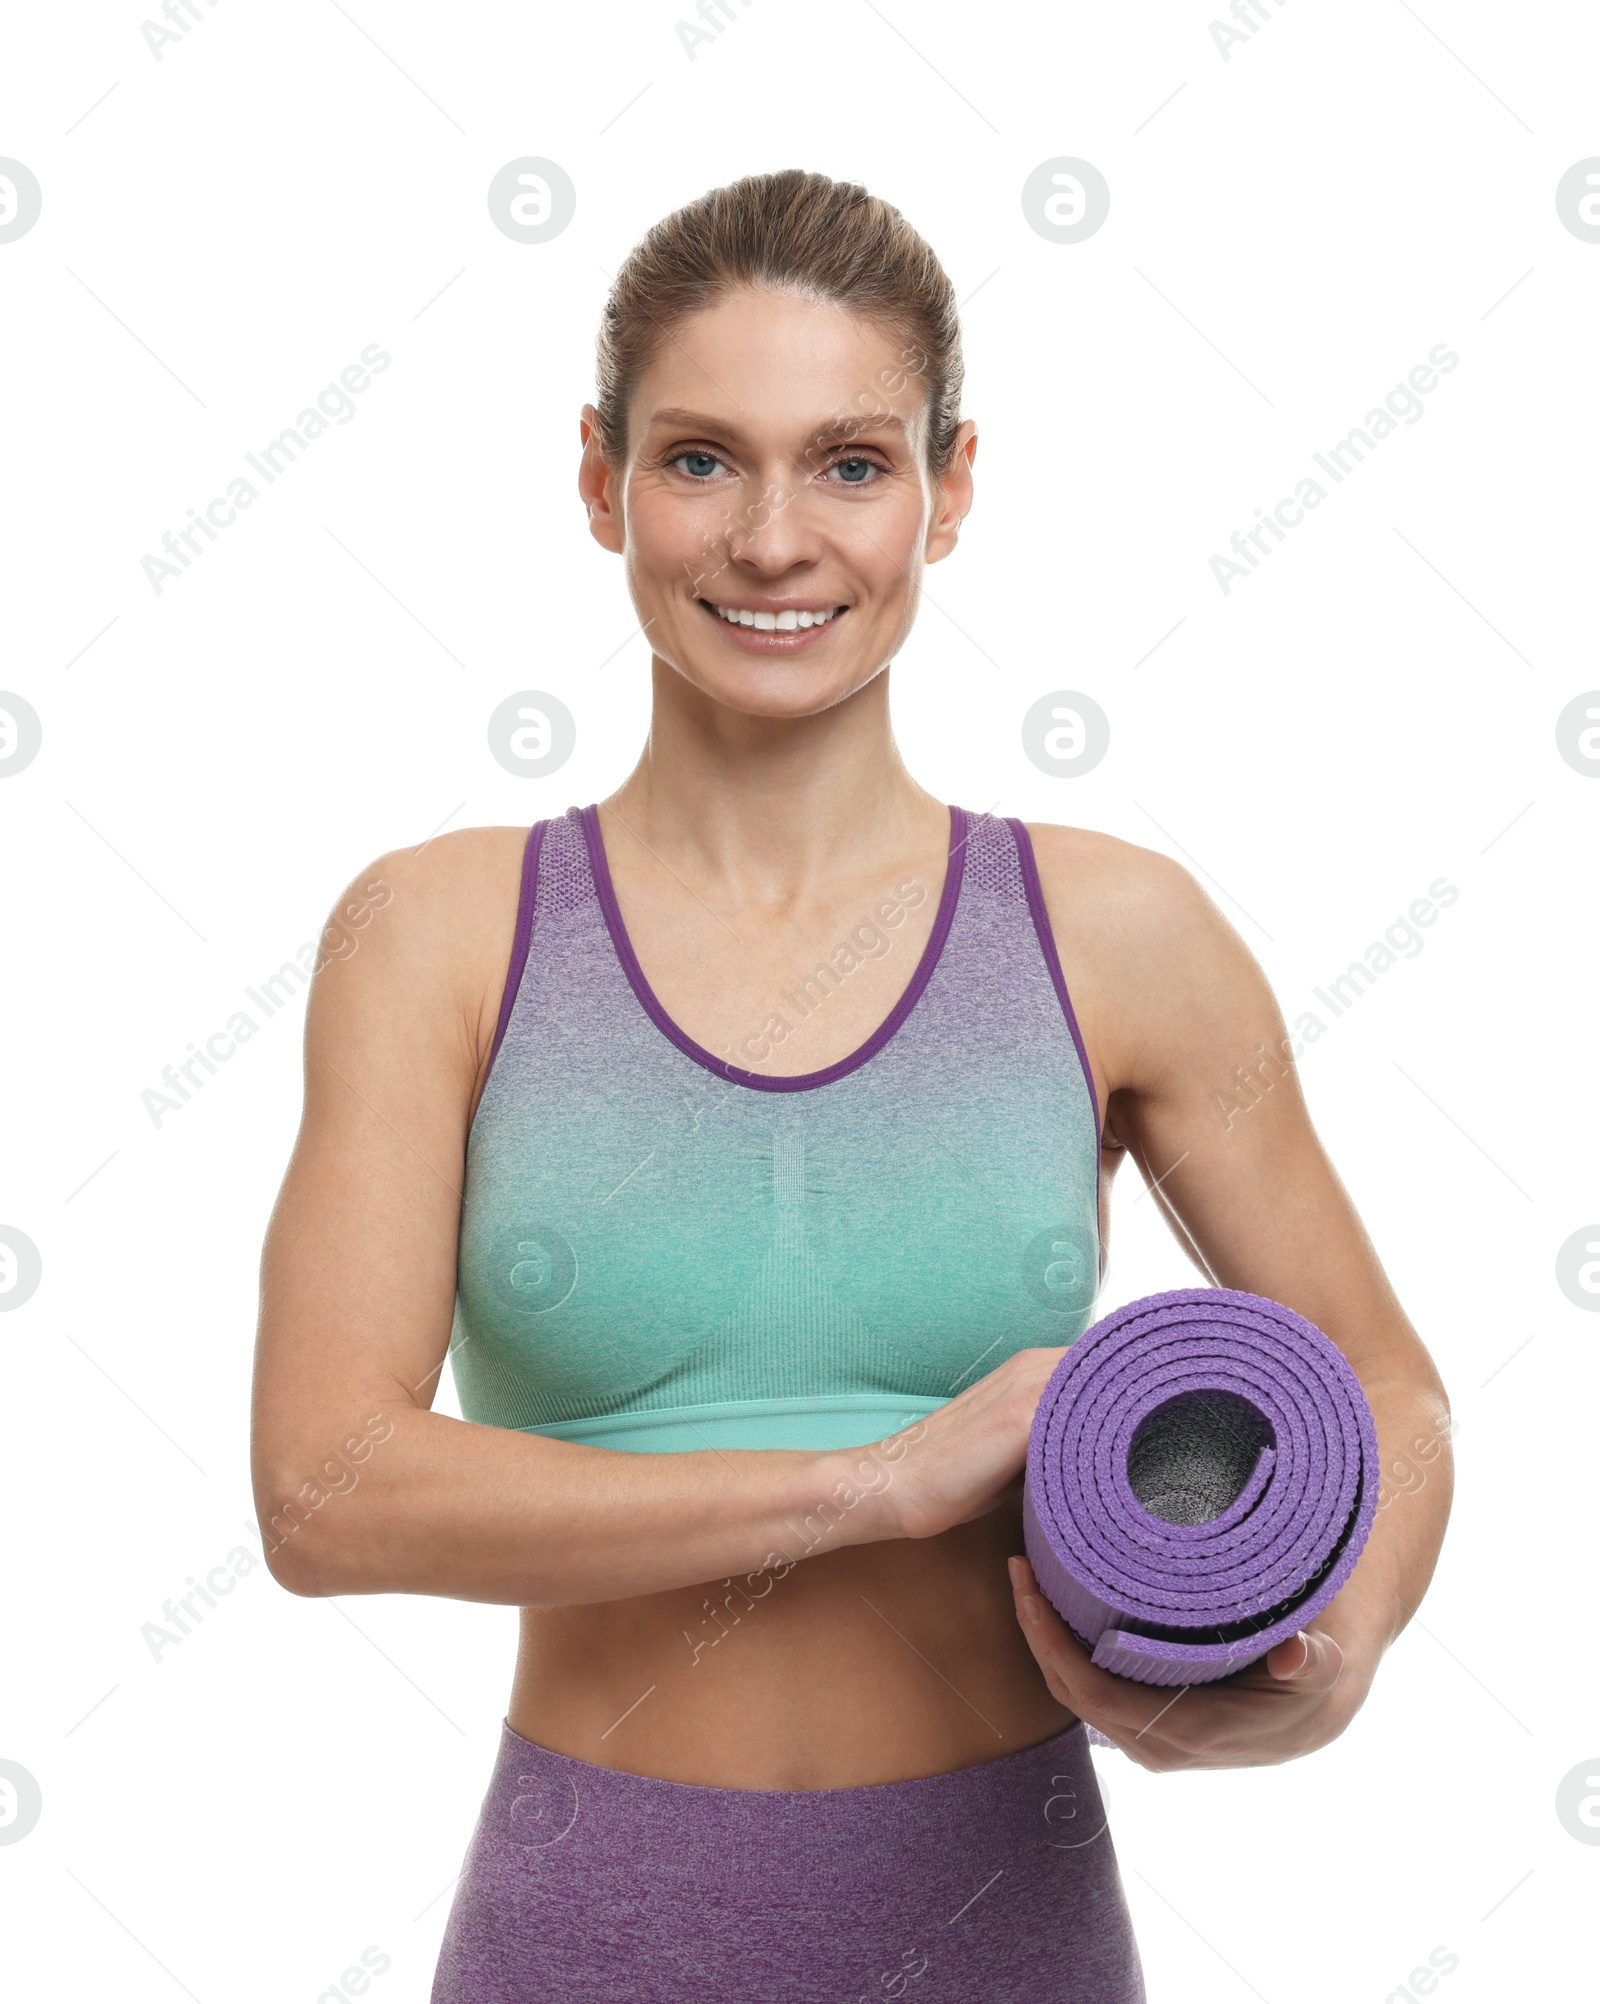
point(883, 548)
point(666, 547)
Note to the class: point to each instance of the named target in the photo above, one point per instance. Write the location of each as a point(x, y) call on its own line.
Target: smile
point(788, 620)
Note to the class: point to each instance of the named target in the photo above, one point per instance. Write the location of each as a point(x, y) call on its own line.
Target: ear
point(597, 485)
point(953, 496)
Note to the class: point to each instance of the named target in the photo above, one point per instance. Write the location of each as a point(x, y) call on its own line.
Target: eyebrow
point(826, 434)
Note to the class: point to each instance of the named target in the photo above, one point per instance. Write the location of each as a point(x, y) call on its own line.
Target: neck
point(772, 805)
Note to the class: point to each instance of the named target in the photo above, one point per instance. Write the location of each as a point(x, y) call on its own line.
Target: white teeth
point(773, 622)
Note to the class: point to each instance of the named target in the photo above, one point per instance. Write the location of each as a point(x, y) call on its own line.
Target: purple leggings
point(995, 1884)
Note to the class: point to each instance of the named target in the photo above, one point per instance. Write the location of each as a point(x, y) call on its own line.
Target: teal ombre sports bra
point(663, 1250)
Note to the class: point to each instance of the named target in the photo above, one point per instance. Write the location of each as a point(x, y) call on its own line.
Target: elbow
point(293, 1554)
point(301, 1545)
point(318, 1537)
point(297, 1570)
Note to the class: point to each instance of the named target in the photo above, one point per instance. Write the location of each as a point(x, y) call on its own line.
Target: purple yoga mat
point(1202, 1475)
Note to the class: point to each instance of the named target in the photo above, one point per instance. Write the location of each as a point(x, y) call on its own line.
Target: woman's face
point(775, 511)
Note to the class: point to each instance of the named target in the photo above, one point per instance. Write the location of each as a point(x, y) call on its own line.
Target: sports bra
point(662, 1249)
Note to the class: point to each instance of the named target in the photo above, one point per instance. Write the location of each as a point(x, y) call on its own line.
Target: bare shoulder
point(1149, 956)
point(1099, 889)
point(426, 930)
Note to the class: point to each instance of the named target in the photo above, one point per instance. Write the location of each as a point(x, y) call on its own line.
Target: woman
point(746, 1127)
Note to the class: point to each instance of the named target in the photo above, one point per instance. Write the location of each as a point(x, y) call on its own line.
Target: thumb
point(1310, 1659)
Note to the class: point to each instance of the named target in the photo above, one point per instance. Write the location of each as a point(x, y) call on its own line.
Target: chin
point(774, 690)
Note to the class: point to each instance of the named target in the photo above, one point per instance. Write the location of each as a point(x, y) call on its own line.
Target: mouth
point(774, 628)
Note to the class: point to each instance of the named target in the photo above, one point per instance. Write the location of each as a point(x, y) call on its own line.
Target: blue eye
point(699, 465)
point(855, 472)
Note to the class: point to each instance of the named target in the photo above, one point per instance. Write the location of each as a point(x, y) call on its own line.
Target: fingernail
point(1032, 1609)
point(1014, 1568)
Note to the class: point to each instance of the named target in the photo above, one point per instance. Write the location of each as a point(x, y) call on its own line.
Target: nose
point(773, 531)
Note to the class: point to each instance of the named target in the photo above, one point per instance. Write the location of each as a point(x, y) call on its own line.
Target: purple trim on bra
point(521, 937)
point(761, 1081)
point(1052, 960)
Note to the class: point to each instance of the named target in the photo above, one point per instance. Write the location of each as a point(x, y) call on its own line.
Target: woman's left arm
point(1198, 1075)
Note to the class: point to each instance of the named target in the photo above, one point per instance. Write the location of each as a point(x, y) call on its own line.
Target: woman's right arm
point(360, 1487)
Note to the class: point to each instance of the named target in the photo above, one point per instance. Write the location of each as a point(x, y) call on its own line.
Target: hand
point(1302, 1694)
point(967, 1456)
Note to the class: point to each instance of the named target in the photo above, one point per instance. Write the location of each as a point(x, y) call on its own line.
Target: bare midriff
point(874, 1663)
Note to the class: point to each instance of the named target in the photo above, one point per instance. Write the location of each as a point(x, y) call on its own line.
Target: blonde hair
point(793, 232)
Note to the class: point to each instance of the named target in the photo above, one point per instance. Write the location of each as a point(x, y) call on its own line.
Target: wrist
point(838, 1497)
point(873, 1476)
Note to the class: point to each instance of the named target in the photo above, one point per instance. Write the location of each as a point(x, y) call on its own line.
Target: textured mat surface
point(1202, 1475)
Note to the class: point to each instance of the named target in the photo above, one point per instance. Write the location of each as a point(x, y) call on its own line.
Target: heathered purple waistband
point(996, 1884)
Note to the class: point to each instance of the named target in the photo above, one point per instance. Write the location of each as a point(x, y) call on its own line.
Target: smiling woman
point(749, 1332)
point(780, 375)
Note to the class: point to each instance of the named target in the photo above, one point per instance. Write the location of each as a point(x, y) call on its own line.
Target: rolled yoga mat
point(1202, 1475)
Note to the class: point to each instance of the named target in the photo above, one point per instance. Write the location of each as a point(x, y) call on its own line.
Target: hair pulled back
point(792, 232)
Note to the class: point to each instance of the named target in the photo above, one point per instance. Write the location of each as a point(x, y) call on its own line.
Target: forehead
point(775, 364)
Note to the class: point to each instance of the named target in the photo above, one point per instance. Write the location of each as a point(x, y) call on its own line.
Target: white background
point(1292, 229)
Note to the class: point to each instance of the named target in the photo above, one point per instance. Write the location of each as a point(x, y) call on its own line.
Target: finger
point(1309, 1661)
point(1212, 1723)
point(1074, 1678)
